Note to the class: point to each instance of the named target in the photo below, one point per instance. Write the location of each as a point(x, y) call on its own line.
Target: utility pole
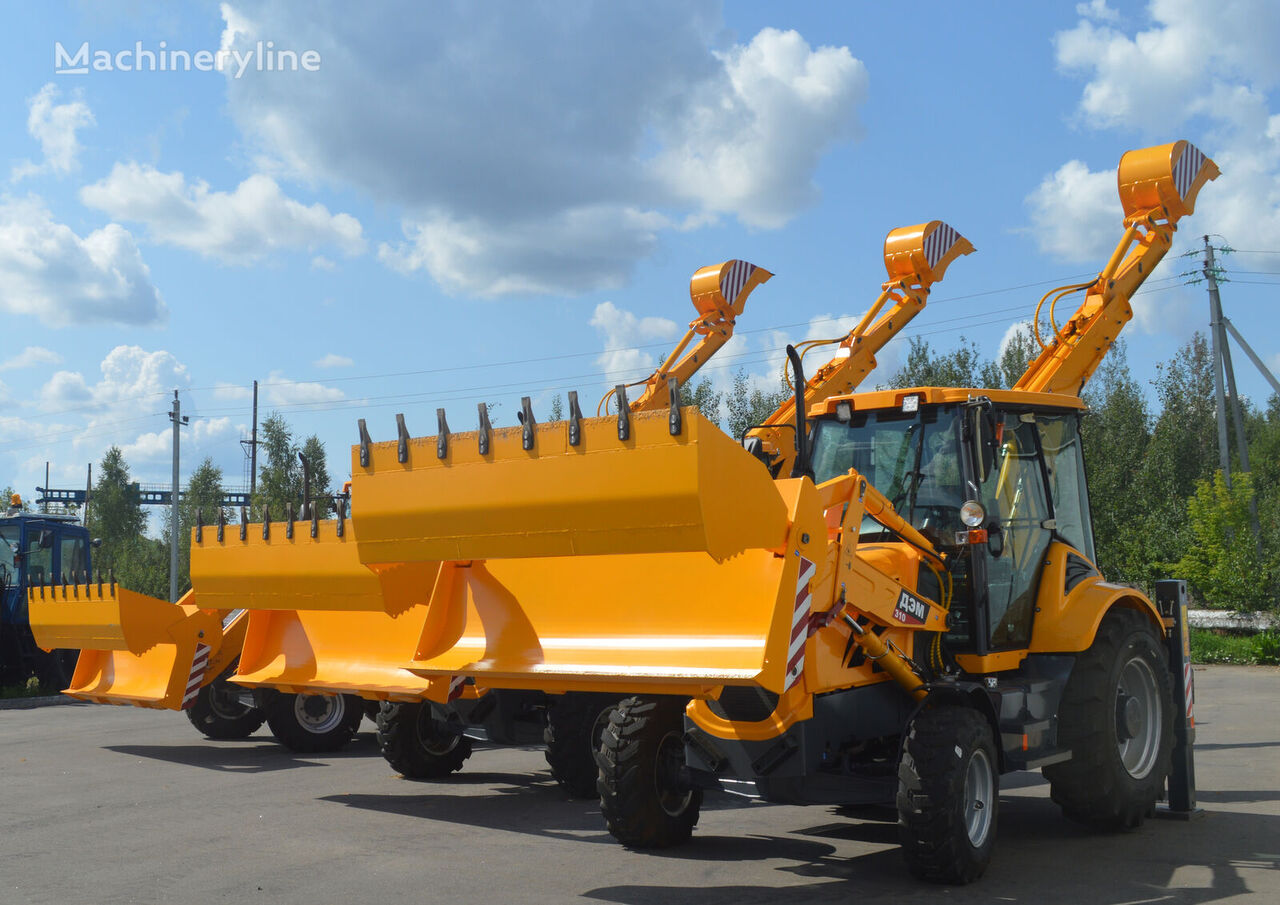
point(1215, 337)
point(1222, 365)
point(253, 445)
point(88, 488)
point(178, 420)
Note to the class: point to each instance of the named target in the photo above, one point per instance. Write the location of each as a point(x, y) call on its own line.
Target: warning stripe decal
point(199, 663)
point(939, 242)
point(734, 278)
point(1187, 168)
point(1189, 690)
point(799, 625)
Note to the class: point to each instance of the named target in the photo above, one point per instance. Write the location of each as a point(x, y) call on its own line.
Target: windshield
point(8, 540)
point(913, 459)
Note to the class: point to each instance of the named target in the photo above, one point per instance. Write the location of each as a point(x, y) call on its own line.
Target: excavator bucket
point(922, 253)
point(279, 566)
point(134, 649)
point(319, 620)
point(641, 482)
point(1165, 176)
point(582, 565)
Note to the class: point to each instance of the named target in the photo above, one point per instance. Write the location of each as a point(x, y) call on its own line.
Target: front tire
point(1117, 718)
point(948, 795)
point(416, 744)
point(219, 713)
point(575, 726)
point(644, 802)
point(314, 723)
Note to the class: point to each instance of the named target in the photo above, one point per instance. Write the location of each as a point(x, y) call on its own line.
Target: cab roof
point(892, 399)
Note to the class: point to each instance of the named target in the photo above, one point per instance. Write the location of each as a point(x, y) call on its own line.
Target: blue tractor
point(35, 549)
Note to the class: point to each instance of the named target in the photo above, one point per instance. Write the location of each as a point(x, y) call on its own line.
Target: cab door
point(1019, 524)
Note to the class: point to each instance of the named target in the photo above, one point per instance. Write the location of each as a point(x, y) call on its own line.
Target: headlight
point(972, 513)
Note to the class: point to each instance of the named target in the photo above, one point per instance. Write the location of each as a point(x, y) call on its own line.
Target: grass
point(1209, 646)
point(31, 689)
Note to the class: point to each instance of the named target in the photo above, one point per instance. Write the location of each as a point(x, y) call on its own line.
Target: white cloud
point(54, 126)
point(576, 250)
point(130, 374)
point(48, 271)
point(231, 392)
point(1205, 72)
point(545, 152)
point(749, 142)
point(1075, 213)
point(280, 390)
point(623, 332)
point(30, 357)
point(320, 262)
point(237, 227)
point(1097, 10)
point(333, 360)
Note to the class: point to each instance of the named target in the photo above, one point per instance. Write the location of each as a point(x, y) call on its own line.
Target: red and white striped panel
point(799, 625)
point(939, 242)
point(199, 664)
point(455, 687)
point(1187, 168)
point(1189, 689)
point(734, 278)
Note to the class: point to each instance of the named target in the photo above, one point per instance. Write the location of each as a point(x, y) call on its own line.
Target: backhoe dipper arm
point(719, 293)
point(1158, 186)
point(915, 258)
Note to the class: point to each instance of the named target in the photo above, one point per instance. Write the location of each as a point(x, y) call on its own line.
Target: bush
point(1208, 646)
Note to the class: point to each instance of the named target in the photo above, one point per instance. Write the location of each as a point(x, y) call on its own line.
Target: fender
point(1066, 621)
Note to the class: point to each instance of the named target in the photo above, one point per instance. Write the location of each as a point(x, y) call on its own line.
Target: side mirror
point(96, 543)
point(46, 539)
point(995, 540)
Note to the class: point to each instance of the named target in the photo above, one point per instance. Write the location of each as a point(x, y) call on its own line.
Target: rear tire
point(1117, 718)
point(644, 803)
point(219, 714)
point(575, 725)
point(948, 795)
point(416, 744)
point(314, 723)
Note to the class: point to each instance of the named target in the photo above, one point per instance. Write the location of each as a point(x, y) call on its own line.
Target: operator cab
point(989, 478)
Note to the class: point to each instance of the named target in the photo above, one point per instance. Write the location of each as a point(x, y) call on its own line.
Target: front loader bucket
point(319, 620)
point(639, 483)
point(134, 649)
point(278, 566)
point(333, 652)
point(674, 622)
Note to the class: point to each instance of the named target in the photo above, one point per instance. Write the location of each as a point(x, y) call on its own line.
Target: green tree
point(143, 566)
point(203, 496)
point(1222, 562)
point(963, 366)
point(1019, 352)
point(748, 405)
point(557, 408)
point(280, 476)
point(705, 397)
point(115, 513)
point(1115, 436)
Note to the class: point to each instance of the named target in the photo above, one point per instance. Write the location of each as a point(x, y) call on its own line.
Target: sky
point(437, 205)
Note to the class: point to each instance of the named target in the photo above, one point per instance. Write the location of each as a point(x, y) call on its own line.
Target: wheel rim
point(666, 777)
point(979, 798)
point(1139, 718)
point(432, 736)
point(318, 713)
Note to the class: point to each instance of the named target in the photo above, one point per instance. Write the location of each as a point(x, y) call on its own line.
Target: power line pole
point(1222, 365)
point(253, 446)
point(1215, 338)
point(174, 529)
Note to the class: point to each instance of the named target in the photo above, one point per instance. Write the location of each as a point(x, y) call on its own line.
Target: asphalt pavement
point(121, 805)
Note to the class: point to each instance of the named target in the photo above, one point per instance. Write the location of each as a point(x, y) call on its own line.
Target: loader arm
point(915, 258)
point(1158, 186)
point(719, 292)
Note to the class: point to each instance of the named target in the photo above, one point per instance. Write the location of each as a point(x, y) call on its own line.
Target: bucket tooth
point(442, 435)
